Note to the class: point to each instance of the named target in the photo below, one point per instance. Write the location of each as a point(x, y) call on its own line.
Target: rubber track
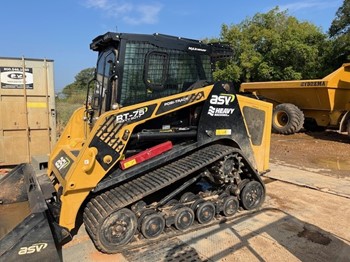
point(104, 204)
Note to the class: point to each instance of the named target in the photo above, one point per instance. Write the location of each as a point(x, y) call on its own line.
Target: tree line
point(272, 46)
point(277, 46)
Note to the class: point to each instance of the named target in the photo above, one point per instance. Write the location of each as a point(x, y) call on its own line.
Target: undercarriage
point(207, 185)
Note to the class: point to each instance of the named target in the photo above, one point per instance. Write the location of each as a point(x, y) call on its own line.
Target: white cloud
point(134, 14)
point(96, 3)
point(309, 4)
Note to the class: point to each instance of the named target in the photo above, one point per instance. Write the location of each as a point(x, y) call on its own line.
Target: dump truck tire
point(287, 119)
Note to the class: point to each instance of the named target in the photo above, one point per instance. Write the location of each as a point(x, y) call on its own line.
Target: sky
point(63, 30)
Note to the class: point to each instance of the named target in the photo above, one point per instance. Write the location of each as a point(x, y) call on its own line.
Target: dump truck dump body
point(325, 100)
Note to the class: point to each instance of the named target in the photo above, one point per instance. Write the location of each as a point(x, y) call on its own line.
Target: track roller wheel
point(172, 202)
point(152, 225)
point(205, 212)
point(230, 206)
point(188, 196)
point(118, 229)
point(252, 195)
point(184, 218)
point(196, 201)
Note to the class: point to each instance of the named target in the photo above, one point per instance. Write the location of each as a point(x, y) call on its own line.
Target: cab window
point(103, 93)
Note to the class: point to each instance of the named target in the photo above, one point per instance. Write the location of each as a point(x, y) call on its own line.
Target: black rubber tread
point(295, 119)
point(101, 206)
point(301, 118)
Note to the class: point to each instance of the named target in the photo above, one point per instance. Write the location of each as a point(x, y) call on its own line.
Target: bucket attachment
point(26, 228)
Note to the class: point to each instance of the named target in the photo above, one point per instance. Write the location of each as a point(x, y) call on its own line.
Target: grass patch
point(65, 108)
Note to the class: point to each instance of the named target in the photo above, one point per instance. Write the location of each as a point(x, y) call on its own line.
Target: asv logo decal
point(222, 99)
point(133, 115)
point(62, 163)
point(37, 247)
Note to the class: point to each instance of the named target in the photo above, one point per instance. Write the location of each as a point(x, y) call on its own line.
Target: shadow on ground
point(329, 135)
point(298, 239)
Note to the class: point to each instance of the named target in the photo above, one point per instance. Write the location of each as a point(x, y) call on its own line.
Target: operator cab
point(133, 68)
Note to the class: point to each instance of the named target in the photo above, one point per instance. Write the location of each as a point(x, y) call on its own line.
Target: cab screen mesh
point(182, 70)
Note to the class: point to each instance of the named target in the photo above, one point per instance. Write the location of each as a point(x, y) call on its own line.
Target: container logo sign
point(14, 78)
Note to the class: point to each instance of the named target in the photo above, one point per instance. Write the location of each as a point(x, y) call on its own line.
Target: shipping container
point(27, 110)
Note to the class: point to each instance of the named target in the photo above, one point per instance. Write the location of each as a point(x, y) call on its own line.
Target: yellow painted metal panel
point(261, 151)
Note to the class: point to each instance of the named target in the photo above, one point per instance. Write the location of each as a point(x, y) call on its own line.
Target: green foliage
point(273, 46)
point(339, 32)
point(74, 96)
point(65, 108)
point(80, 84)
point(341, 23)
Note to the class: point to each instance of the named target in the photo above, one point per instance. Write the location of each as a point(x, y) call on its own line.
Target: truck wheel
point(287, 119)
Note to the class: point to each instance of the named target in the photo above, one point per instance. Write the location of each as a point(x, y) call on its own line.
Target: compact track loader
point(157, 148)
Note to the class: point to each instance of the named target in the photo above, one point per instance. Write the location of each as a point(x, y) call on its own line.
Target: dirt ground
point(327, 152)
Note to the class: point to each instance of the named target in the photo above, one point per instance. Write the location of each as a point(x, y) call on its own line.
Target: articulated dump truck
point(313, 104)
point(157, 148)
